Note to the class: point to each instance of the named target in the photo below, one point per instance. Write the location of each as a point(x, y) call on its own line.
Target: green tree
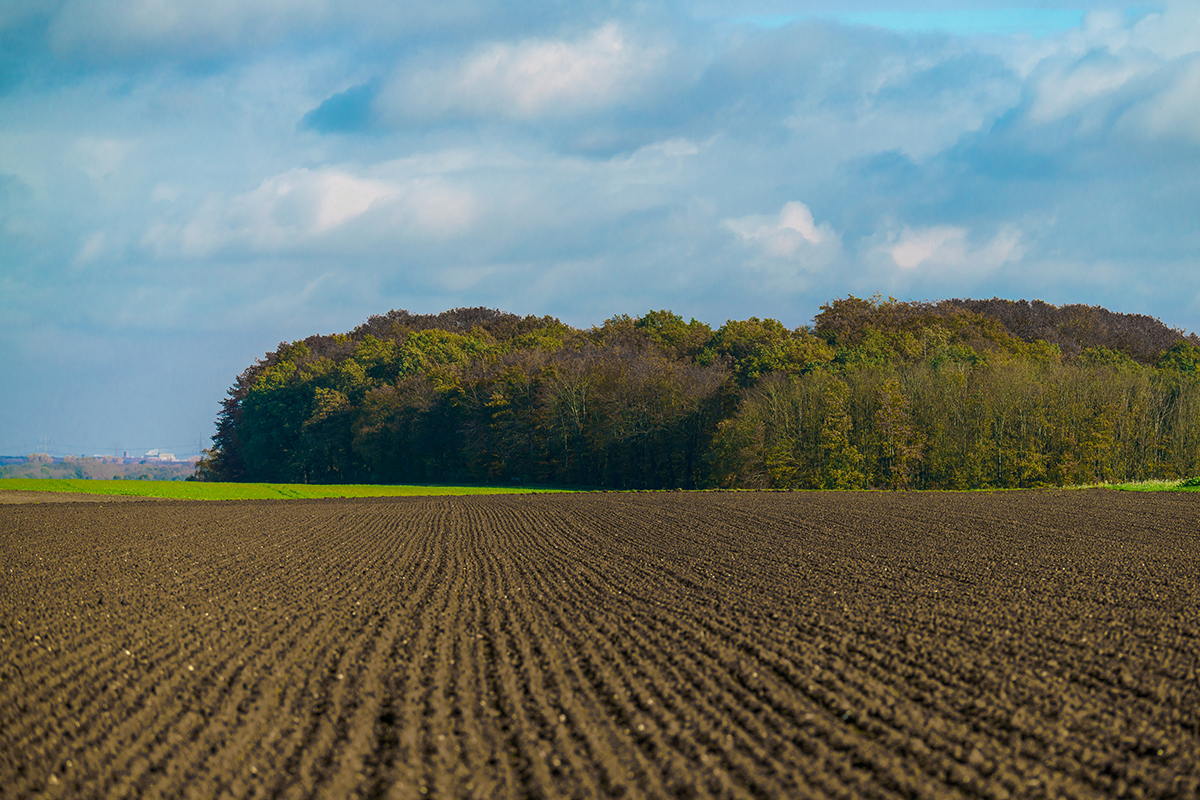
point(901, 443)
point(759, 346)
point(1104, 357)
point(841, 462)
point(1181, 357)
point(678, 339)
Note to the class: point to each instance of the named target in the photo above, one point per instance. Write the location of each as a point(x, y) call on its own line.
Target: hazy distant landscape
point(43, 465)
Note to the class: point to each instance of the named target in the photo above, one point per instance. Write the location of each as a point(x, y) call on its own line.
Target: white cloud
point(1172, 32)
point(788, 248)
point(302, 208)
point(791, 233)
point(1173, 109)
point(848, 92)
point(343, 197)
point(947, 249)
point(531, 78)
point(1069, 88)
point(1141, 75)
point(1160, 35)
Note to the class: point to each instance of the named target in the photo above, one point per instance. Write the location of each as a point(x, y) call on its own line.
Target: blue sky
point(183, 185)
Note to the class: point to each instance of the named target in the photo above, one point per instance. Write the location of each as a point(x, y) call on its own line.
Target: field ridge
point(744, 645)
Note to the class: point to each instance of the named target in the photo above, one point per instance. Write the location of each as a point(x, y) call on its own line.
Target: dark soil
point(9, 496)
point(1025, 644)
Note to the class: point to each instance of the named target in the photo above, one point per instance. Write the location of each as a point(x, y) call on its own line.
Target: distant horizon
point(178, 457)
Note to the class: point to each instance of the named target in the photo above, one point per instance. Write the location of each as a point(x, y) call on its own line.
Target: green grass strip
point(1156, 486)
point(1152, 485)
point(194, 490)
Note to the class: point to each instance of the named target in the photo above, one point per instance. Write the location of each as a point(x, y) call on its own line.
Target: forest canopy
point(955, 394)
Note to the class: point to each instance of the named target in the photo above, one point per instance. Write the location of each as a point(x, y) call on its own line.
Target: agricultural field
point(666, 645)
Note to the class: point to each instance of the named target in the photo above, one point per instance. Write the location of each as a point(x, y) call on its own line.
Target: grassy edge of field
point(1156, 485)
point(198, 490)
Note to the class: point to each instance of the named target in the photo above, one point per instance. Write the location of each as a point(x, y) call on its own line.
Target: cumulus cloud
point(1138, 79)
point(783, 235)
point(947, 249)
point(1172, 109)
point(530, 78)
point(1071, 87)
point(787, 248)
point(1172, 32)
point(846, 91)
point(304, 208)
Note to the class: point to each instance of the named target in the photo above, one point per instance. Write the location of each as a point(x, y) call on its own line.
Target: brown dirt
point(9, 496)
point(1030, 644)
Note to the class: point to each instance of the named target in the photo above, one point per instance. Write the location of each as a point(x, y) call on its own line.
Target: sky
point(185, 184)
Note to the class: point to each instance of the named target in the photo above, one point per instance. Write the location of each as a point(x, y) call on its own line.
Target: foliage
point(1181, 357)
point(901, 444)
point(756, 347)
point(879, 393)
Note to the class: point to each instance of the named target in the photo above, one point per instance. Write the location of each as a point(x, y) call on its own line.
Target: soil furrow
point(879, 645)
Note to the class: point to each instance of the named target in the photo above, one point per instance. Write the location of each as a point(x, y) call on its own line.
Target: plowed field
point(1027, 644)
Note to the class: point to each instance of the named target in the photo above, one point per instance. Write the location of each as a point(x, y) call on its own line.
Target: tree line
point(876, 393)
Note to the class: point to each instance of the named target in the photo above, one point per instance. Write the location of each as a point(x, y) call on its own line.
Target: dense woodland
point(877, 393)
